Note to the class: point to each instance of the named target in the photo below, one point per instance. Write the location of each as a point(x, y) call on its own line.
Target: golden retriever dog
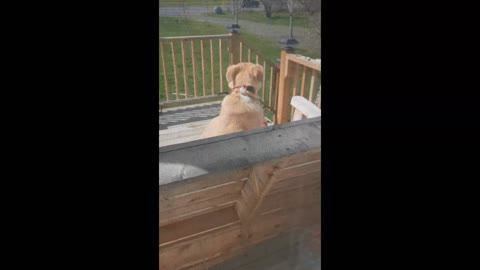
point(241, 109)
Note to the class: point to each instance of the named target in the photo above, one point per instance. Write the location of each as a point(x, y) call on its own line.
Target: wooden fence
point(299, 76)
point(214, 209)
point(192, 69)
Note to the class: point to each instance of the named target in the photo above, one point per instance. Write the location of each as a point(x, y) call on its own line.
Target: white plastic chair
point(304, 109)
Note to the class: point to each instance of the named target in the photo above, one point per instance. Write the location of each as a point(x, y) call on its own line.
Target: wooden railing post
point(234, 48)
point(283, 90)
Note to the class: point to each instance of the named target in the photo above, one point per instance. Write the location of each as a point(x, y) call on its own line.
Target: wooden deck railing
point(214, 209)
point(299, 76)
point(192, 68)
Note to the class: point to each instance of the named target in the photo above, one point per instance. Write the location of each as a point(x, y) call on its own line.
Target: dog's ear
point(257, 72)
point(232, 71)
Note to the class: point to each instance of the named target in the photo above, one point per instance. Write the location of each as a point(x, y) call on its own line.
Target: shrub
point(218, 10)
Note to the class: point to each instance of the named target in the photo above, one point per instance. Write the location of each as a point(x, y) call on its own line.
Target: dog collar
point(249, 88)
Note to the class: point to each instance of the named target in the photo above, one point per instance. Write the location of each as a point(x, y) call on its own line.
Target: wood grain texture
point(198, 250)
point(194, 68)
point(197, 226)
point(202, 52)
point(212, 67)
point(201, 208)
point(165, 78)
point(220, 57)
point(200, 195)
point(184, 67)
point(175, 72)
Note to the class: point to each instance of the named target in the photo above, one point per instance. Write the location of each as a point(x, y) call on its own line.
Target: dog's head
point(246, 78)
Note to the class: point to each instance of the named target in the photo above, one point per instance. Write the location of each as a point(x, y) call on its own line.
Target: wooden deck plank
point(201, 195)
point(307, 179)
point(195, 226)
point(193, 251)
point(186, 132)
point(185, 123)
point(289, 199)
point(297, 170)
point(197, 209)
point(202, 182)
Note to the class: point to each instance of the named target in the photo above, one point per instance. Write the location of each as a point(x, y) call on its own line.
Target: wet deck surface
point(188, 114)
point(184, 124)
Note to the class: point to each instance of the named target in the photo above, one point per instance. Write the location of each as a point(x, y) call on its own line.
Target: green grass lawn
point(174, 27)
point(279, 18)
point(179, 3)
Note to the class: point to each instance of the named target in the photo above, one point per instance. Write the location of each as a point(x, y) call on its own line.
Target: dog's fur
point(240, 110)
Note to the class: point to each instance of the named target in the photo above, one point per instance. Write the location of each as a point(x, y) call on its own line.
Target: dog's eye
point(250, 89)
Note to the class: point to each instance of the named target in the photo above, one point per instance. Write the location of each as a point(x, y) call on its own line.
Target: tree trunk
point(268, 8)
point(268, 14)
point(291, 26)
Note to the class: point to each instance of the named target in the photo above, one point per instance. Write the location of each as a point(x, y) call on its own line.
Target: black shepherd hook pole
point(236, 12)
point(234, 26)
